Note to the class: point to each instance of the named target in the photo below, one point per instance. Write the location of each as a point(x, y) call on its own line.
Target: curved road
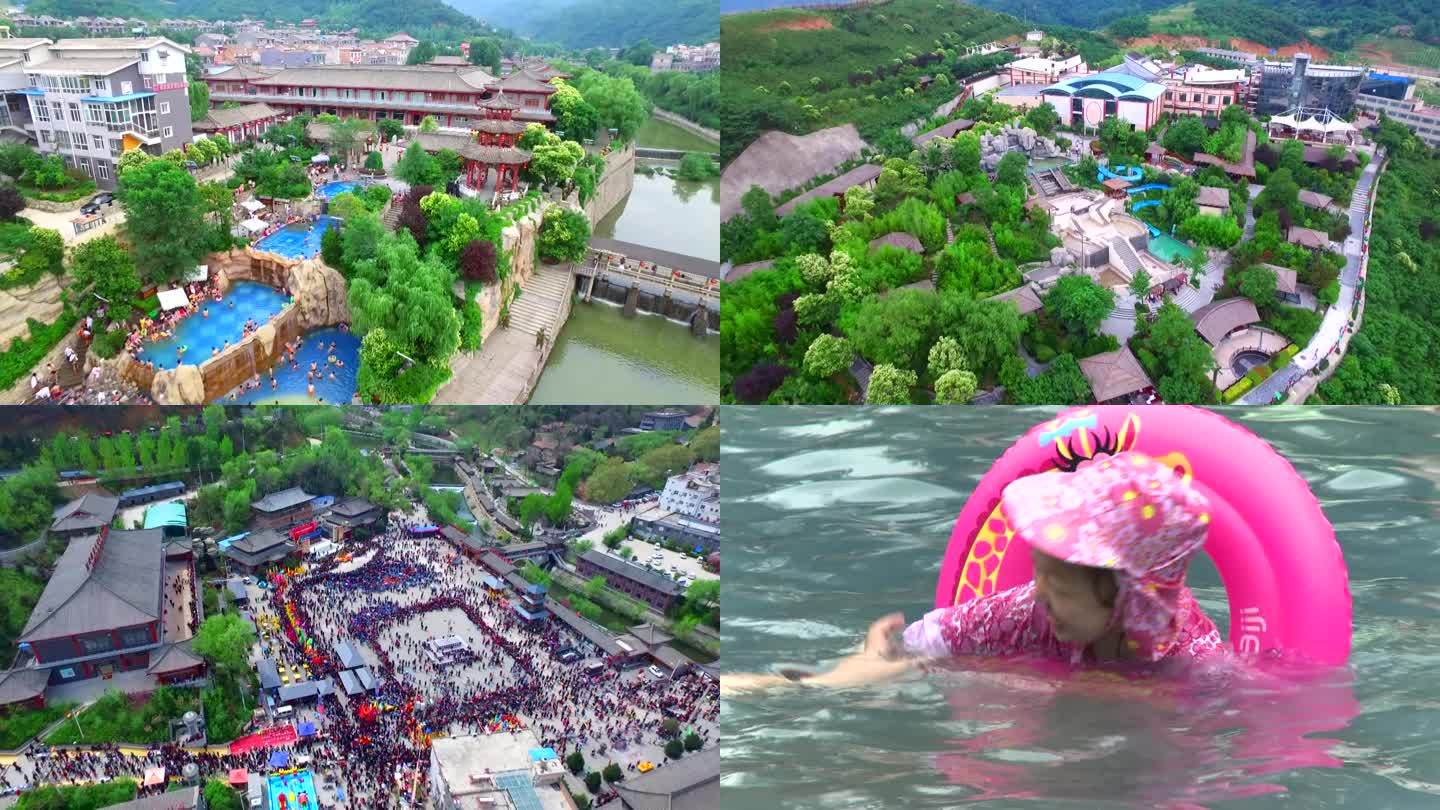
point(1337, 317)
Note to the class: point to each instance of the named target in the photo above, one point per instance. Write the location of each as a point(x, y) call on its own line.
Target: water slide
point(1147, 187)
point(1132, 175)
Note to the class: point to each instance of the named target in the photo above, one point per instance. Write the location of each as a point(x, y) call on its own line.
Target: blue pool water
point(1108, 173)
point(291, 786)
point(1170, 249)
point(291, 383)
point(200, 334)
point(299, 240)
point(338, 187)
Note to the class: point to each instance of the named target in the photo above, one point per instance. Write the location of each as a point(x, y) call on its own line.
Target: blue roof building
point(1093, 98)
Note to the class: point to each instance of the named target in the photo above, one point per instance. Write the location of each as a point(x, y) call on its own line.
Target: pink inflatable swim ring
point(1282, 569)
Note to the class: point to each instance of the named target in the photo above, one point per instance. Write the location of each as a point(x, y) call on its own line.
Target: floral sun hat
point(1127, 513)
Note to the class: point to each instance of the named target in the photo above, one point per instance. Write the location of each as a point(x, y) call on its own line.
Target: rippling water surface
point(836, 516)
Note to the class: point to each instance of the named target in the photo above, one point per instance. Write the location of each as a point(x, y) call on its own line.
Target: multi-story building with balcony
point(408, 93)
point(15, 54)
point(1414, 113)
point(92, 99)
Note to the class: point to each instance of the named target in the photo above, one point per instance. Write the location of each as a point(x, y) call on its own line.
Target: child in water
point(1110, 545)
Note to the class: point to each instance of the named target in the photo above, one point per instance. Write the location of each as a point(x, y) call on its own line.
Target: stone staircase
point(990, 236)
point(391, 217)
point(1129, 260)
point(539, 302)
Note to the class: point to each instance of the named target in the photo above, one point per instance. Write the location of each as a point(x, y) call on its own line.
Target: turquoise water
point(338, 187)
point(298, 240)
point(1170, 249)
point(838, 516)
point(244, 300)
point(291, 383)
point(291, 786)
point(1108, 173)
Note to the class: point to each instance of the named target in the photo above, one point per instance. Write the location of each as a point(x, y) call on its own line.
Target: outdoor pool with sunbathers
point(245, 300)
point(291, 382)
point(298, 240)
point(333, 189)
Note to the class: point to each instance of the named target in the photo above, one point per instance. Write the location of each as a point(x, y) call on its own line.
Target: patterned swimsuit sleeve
point(1005, 623)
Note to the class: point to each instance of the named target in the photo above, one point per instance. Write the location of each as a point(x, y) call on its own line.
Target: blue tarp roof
point(426, 529)
point(225, 543)
point(307, 729)
point(279, 759)
point(537, 754)
point(108, 99)
point(303, 690)
point(323, 501)
point(170, 513)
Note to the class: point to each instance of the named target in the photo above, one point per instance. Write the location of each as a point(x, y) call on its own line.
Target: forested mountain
point(420, 18)
point(1336, 24)
point(602, 23)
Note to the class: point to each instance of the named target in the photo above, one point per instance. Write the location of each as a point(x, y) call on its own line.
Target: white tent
point(320, 158)
point(253, 205)
point(173, 299)
point(253, 225)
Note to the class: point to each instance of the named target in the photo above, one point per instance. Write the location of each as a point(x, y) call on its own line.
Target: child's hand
point(880, 639)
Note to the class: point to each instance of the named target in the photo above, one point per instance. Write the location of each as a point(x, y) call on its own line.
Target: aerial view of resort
point(284, 204)
point(357, 607)
point(1227, 202)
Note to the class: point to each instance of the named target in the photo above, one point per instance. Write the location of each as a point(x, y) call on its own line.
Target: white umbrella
point(321, 158)
point(253, 205)
point(253, 225)
point(173, 299)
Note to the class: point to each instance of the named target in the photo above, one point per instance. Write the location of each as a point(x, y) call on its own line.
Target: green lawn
point(659, 134)
point(17, 727)
point(14, 236)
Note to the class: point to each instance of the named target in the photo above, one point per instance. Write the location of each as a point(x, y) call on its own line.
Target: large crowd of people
point(392, 594)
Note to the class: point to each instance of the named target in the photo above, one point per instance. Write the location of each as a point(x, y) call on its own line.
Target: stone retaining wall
point(687, 125)
point(58, 207)
point(614, 186)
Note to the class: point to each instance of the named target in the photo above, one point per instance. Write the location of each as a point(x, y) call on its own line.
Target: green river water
point(602, 357)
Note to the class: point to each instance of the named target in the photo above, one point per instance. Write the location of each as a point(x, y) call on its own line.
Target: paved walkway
point(1337, 318)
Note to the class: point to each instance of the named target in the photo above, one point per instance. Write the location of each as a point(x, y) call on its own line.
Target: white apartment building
point(694, 494)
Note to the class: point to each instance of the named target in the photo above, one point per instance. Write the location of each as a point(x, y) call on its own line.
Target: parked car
point(655, 672)
point(102, 200)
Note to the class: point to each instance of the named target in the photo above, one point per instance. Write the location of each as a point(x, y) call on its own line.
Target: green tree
point(218, 795)
point(1185, 136)
point(428, 124)
point(421, 53)
point(416, 166)
point(574, 116)
point(1043, 119)
point(592, 781)
point(486, 52)
point(1079, 303)
point(946, 355)
point(225, 640)
point(890, 386)
point(639, 54)
point(693, 742)
point(618, 105)
point(1140, 283)
point(613, 773)
point(553, 162)
point(1011, 171)
point(595, 586)
point(105, 264)
point(1258, 284)
point(706, 444)
point(609, 483)
point(674, 749)
point(575, 760)
point(564, 235)
point(163, 219)
point(390, 128)
point(955, 387)
point(828, 355)
point(535, 574)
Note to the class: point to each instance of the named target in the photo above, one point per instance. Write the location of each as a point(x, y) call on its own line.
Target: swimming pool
point(292, 786)
point(244, 300)
point(338, 187)
point(1170, 249)
point(299, 240)
point(291, 383)
point(841, 515)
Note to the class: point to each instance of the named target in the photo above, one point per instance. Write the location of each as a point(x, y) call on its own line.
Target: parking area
point(665, 559)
